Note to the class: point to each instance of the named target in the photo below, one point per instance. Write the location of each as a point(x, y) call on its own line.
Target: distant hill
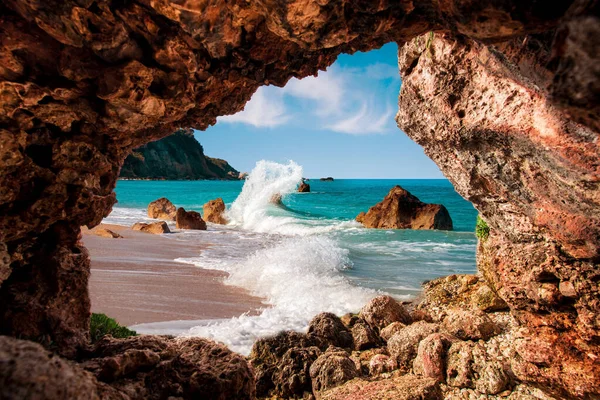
point(176, 157)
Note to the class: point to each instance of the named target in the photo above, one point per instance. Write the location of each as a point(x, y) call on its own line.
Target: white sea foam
point(299, 277)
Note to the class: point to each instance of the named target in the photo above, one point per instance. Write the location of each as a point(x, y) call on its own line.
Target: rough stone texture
point(403, 345)
point(330, 330)
point(469, 324)
point(364, 337)
point(213, 211)
point(267, 355)
point(304, 187)
point(407, 387)
point(107, 233)
point(390, 330)
point(431, 356)
point(382, 311)
point(84, 82)
point(401, 210)
point(162, 209)
point(530, 171)
point(292, 378)
point(331, 369)
point(189, 220)
point(157, 228)
point(381, 363)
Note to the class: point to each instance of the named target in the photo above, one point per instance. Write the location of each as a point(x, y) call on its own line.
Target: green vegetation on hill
point(176, 157)
point(101, 325)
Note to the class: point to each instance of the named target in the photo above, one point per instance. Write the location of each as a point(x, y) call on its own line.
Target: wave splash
point(299, 278)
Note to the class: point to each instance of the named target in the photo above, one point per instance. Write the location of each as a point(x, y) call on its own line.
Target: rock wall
point(482, 114)
point(84, 82)
point(175, 157)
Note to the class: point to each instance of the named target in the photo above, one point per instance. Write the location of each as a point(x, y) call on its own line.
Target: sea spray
point(298, 277)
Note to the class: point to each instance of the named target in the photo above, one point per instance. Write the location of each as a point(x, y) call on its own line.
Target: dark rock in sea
point(304, 187)
point(214, 210)
point(189, 220)
point(162, 209)
point(156, 228)
point(176, 157)
point(328, 179)
point(401, 210)
point(382, 311)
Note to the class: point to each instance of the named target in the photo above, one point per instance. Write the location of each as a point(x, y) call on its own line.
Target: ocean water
point(308, 255)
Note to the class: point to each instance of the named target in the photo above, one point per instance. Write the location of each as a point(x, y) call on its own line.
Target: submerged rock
point(156, 228)
point(189, 220)
point(162, 209)
point(382, 311)
point(214, 210)
point(401, 210)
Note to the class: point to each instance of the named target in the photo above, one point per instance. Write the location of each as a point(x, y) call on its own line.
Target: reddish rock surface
point(401, 210)
point(189, 220)
point(107, 233)
point(213, 211)
point(162, 209)
point(304, 187)
point(382, 311)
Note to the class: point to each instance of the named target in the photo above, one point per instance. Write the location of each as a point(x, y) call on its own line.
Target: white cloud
point(368, 120)
point(346, 100)
point(265, 109)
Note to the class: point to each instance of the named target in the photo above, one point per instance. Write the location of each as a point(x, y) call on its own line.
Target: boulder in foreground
point(162, 209)
point(156, 228)
point(189, 220)
point(214, 210)
point(401, 210)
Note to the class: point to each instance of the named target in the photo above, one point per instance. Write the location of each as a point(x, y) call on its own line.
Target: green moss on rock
point(482, 230)
point(101, 325)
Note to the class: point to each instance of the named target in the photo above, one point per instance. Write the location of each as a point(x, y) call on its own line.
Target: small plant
point(101, 325)
point(482, 230)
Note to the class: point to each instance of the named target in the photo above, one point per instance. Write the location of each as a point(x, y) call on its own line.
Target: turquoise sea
point(309, 255)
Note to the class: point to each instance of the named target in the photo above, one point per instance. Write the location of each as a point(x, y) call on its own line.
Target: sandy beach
point(135, 280)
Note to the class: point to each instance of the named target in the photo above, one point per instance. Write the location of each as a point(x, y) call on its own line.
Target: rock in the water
point(469, 325)
point(162, 209)
point(401, 210)
point(331, 369)
point(328, 179)
point(390, 330)
point(404, 345)
point(304, 187)
point(156, 228)
point(364, 337)
point(213, 211)
point(406, 387)
point(107, 233)
point(330, 330)
point(189, 220)
point(382, 311)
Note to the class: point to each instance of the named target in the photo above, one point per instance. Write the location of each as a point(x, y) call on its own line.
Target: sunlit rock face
point(483, 114)
point(83, 82)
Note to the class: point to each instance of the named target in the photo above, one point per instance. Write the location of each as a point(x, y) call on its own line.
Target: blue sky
point(338, 124)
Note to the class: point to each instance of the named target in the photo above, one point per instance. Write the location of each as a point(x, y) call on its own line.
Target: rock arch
point(503, 95)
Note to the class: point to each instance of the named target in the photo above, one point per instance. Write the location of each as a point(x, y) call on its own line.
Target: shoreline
point(135, 280)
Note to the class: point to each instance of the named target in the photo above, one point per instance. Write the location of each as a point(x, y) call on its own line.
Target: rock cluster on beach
point(401, 210)
point(449, 345)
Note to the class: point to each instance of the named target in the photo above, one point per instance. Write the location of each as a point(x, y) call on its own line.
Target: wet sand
point(135, 280)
